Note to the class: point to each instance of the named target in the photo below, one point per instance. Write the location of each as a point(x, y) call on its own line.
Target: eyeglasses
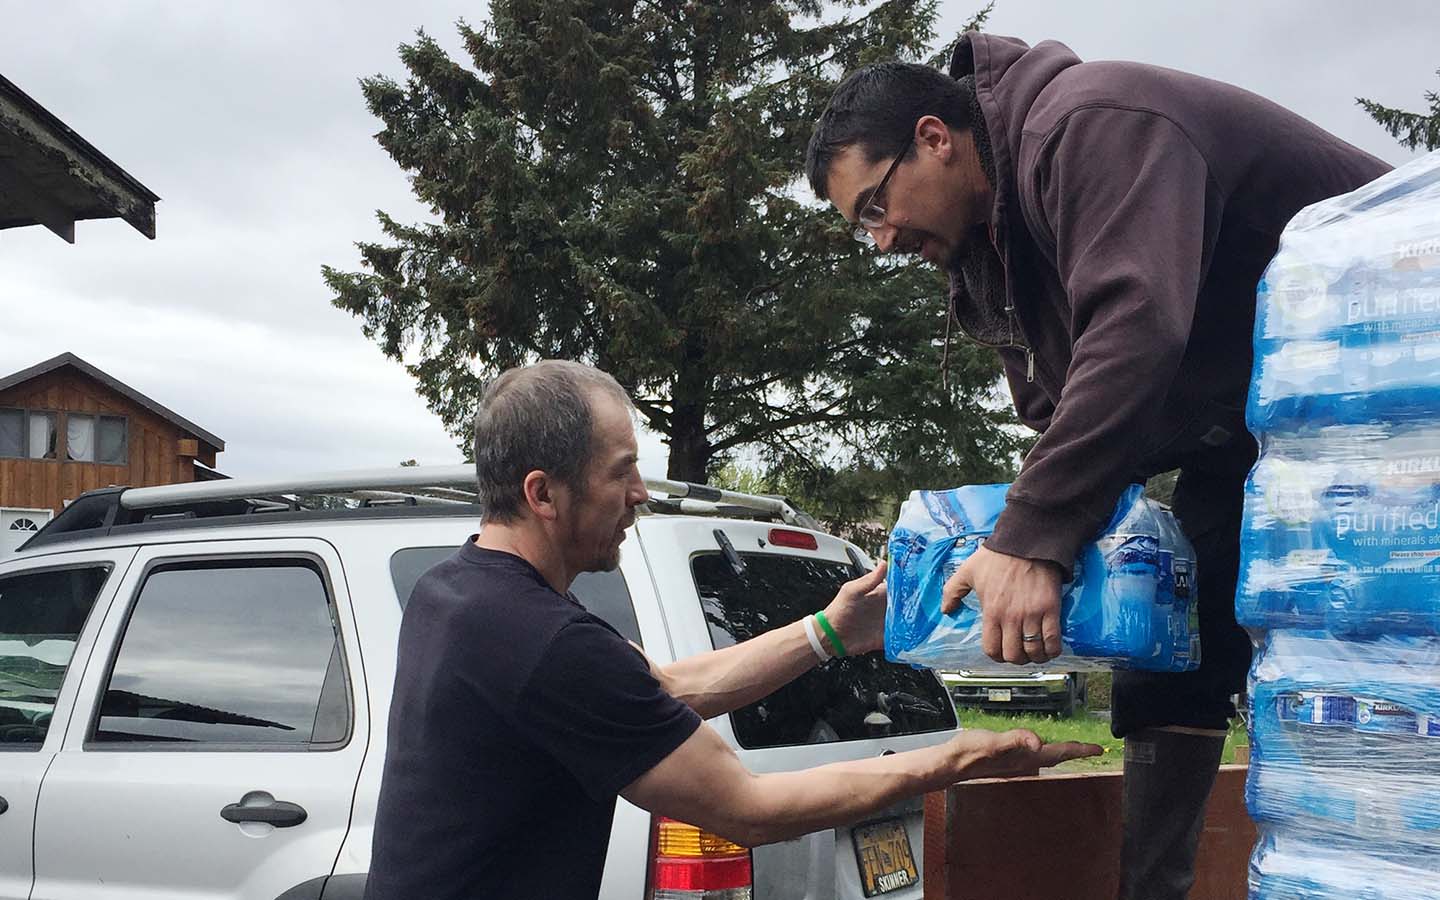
point(872, 215)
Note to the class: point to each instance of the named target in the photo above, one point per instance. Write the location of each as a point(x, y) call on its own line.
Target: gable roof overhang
point(51, 176)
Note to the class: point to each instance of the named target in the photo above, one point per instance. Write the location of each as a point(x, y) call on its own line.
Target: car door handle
point(4, 805)
point(264, 809)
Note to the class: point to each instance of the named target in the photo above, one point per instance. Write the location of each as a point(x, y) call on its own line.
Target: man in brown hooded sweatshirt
point(1105, 225)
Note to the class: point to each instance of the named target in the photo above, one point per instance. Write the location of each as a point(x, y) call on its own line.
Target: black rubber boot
point(1168, 777)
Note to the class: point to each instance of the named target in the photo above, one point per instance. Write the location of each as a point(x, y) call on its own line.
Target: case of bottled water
point(1130, 602)
point(1346, 737)
point(1342, 531)
point(1292, 867)
point(1340, 550)
point(1347, 327)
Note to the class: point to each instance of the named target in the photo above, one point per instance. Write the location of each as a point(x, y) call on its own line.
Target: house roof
point(51, 176)
point(70, 359)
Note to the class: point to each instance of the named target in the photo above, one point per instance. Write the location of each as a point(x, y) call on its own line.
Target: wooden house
point(66, 427)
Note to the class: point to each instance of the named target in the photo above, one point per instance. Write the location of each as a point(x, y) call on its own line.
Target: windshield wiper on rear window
point(728, 550)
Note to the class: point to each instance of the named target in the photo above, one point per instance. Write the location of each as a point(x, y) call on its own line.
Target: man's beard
point(911, 242)
point(605, 559)
point(606, 563)
point(977, 237)
point(956, 257)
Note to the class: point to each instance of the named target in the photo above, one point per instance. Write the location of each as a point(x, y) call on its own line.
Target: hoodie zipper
point(1010, 315)
point(1009, 345)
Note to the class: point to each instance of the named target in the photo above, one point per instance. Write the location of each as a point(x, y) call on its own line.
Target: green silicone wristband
point(830, 632)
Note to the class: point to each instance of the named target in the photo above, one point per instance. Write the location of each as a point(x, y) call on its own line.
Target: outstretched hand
point(992, 754)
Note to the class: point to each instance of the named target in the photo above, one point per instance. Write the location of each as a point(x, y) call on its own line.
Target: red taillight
point(688, 863)
point(800, 540)
point(702, 874)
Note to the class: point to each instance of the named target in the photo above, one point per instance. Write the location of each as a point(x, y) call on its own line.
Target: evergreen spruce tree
point(618, 183)
point(1412, 130)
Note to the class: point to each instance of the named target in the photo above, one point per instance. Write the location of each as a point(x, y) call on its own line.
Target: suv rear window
point(604, 594)
point(41, 614)
point(830, 702)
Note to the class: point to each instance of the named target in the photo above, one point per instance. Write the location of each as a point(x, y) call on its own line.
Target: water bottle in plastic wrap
point(1130, 602)
point(1378, 699)
point(1379, 809)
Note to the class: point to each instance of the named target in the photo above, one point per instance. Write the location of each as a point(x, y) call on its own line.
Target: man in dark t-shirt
point(517, 717)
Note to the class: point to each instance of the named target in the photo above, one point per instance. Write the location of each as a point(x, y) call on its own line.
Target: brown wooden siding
point(153, 456)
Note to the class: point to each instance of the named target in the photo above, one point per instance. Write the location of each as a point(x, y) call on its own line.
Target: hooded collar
point(1001, 78)
point(1008, 75)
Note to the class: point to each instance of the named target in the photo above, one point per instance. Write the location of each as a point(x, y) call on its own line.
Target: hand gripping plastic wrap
point(1340, 551)
point(1130, 602)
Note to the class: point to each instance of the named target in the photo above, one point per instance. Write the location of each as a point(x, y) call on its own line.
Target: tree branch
point(657, 417)
point(775, 426)
point(781, 376)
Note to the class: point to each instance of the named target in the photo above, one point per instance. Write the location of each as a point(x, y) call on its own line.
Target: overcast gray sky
point(247, 120)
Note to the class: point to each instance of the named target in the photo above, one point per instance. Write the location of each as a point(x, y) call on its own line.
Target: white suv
point(195, 684)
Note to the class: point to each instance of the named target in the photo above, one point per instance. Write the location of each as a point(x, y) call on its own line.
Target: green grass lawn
point(1083, 726)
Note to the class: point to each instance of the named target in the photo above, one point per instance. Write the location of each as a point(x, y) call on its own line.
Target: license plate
point(883, 851)
point(999, 695)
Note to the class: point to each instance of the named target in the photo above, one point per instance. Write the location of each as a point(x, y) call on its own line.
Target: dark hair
point(877, 107)
point(536, 417)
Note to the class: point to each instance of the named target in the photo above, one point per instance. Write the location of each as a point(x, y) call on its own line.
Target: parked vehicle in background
point(1055, 692)
point(195, 685)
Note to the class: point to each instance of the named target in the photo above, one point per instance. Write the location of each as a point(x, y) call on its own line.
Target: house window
point(99, 439)
point(112, 440)
point(80, 438)
point(40, 427)
point(12, 432)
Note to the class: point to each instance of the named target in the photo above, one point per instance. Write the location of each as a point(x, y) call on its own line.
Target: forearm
point(725, 680)
point(788, 804)
point(1068, 486)
point(702, 782)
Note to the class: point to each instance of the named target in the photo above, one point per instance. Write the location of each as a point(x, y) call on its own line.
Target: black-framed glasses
point(871, 214)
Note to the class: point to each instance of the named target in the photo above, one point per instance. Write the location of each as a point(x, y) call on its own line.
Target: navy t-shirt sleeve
point(593, 704)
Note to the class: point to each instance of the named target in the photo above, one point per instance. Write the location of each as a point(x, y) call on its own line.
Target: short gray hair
point(536, 417)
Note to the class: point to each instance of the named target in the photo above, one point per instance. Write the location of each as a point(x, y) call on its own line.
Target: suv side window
point(232, 653)
point(604, 594)
point(41, 615)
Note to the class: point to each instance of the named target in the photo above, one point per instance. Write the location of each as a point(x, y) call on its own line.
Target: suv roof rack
point(406, 490)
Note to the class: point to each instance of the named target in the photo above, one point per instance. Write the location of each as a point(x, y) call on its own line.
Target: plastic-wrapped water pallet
point(1340, 552)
